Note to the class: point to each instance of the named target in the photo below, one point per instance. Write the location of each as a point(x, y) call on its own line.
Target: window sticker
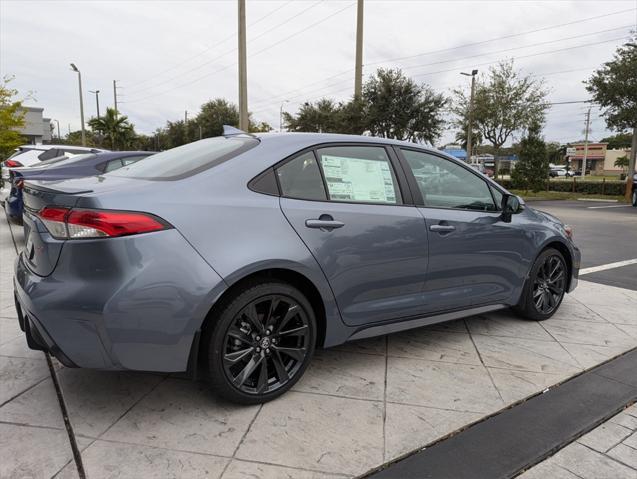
point(357, 179)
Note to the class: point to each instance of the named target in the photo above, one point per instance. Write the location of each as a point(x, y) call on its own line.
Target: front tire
point(261, 343)
point(545, 287)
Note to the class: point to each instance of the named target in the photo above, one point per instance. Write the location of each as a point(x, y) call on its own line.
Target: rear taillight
point(12, 164)
point(65, 223)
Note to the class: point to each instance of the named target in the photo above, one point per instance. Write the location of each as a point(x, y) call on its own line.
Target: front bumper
point(130, 303)
point(576, 256)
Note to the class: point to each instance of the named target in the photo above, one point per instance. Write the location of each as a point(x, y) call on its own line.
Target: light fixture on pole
point(79, 79)
point(97, 101)
point(470, 119)
point(281, 115)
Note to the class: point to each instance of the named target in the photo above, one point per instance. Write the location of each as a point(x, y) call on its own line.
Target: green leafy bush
point(612, 187)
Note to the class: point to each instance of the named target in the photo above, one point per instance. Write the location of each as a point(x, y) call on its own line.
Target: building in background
point(611, 157)
point(456, 151)
point(595, 157)
point(37, 129)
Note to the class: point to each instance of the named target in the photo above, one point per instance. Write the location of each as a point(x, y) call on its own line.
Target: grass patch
point(563, 195)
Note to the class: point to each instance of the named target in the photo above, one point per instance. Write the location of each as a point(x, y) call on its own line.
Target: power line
point(210, 47)
point(272, 101)
point(252, 55)
point(208, 62)
point(503, 37)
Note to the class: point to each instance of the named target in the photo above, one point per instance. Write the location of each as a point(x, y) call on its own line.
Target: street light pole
point(97, 101)
point(58, 123)
point(281, 115)
point(470, 119)
point(79, 79)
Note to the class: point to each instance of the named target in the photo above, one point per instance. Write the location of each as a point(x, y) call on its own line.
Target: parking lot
point(357, 407)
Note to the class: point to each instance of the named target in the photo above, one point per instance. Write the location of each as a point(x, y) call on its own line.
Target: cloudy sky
point(171, 56)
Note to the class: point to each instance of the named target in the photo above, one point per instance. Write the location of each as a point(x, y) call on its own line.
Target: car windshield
point(188, 159)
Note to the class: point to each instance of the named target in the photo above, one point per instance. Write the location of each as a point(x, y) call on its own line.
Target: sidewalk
point(609, 451)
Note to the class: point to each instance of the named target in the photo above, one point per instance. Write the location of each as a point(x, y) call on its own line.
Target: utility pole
point(115, 97)
point(588, 124)
point(358, 73)
point(58, 123)
point(79, 79)
point(281, 115)
point(631, 165)
point(97, 101)
point(186, 125)
point(200, 133)
point(243, 69)
point(470, 119)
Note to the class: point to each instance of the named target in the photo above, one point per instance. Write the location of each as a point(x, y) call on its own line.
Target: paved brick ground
point(609, 451)
point(357, 406)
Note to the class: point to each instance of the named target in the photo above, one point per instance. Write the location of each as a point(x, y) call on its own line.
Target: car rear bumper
point(135, 303)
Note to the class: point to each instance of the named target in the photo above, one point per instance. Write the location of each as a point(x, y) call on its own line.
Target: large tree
point(531, 170)
point(11, 119)
point(505, 102)
point(398, 107)
point(119, 132)
point(321, 117)
point(614, 87)
point(620, 140)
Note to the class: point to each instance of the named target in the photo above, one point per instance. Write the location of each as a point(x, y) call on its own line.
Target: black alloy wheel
point(545, 287)
point(262, 344)
point(549, 284)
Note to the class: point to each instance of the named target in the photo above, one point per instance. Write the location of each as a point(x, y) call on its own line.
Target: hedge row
point(611, 187)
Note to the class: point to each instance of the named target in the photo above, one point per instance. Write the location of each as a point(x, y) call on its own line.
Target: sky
point(169, 57)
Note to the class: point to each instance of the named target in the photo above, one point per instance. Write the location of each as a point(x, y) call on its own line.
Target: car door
point(346, 205)
point(474, 257)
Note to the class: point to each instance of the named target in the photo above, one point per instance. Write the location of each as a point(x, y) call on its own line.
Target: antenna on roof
point(232, 131)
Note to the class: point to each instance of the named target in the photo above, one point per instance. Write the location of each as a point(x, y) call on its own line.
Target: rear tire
point(545, 287)
point(261, 342)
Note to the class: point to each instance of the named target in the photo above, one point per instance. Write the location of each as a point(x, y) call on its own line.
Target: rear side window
point(359, 174)
point(113, 165)
point(300, 178)
point(48, 154)
point(189, 159)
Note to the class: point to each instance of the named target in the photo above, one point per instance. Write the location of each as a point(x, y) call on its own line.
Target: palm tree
point(115, 127)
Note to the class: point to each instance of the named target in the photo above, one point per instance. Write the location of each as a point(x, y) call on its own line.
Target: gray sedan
point(234, 257)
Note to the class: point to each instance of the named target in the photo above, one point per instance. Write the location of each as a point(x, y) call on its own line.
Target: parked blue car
point(64, 168)
point(234, 257)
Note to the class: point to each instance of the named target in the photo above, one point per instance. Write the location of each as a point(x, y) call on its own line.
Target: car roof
point(301, 139)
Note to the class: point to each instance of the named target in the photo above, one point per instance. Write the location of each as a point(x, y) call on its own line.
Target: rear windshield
point(188, 159)
point(66, 159)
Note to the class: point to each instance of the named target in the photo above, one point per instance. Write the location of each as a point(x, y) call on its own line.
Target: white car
point(34, 155)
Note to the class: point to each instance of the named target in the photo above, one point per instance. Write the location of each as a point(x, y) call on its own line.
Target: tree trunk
point(631, 166)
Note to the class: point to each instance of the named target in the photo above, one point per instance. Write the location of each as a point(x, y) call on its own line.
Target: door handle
point(325, 222)
point(442, 228)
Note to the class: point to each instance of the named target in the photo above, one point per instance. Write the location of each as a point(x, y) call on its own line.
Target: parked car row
point(234, 257)
point(31, 155)
point(62, 168)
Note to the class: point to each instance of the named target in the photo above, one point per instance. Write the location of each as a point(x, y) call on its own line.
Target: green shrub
point(612, 187)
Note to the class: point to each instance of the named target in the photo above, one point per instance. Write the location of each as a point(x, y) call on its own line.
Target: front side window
point(301, 178)
point(445, 184)
point(360, 174)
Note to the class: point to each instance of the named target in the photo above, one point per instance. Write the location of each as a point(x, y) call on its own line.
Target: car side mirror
point(510, 206)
